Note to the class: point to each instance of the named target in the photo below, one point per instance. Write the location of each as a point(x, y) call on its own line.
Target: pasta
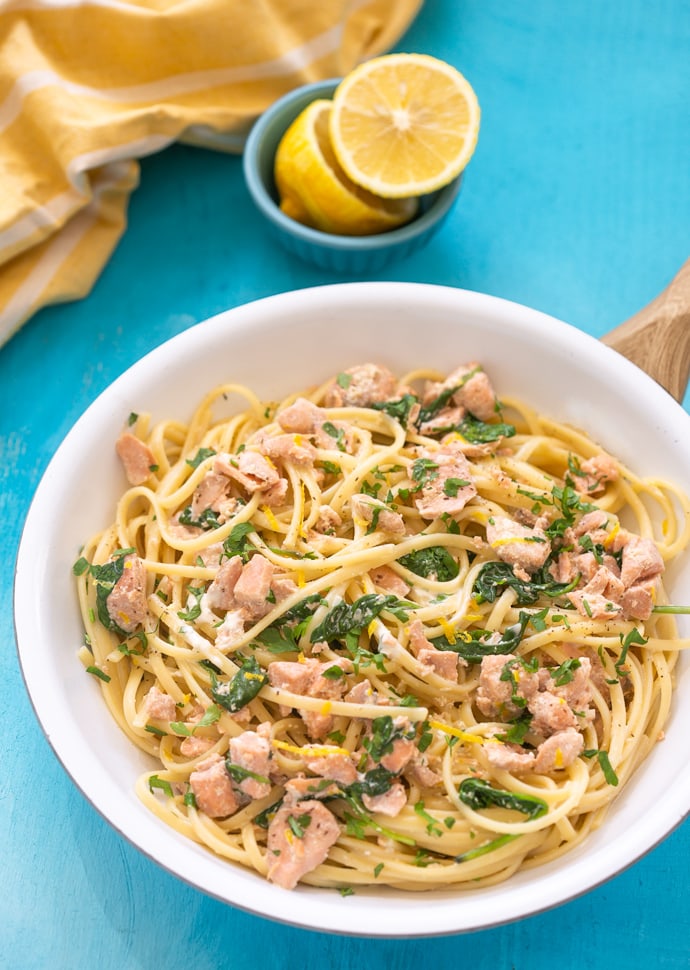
point(390, 631)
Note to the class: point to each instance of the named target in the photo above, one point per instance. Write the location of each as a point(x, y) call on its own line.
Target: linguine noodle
point(365, 635)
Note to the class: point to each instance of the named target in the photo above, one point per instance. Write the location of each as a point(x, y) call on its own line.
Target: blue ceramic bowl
point(342, 254)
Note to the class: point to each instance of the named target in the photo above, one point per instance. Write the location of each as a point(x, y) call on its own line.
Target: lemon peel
point(404, 124)
point(314, 190)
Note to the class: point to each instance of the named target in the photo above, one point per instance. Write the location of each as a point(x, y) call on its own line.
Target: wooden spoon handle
point(657, 338)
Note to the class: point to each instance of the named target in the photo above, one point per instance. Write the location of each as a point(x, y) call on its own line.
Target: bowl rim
point(453, 912)
point(440, 202)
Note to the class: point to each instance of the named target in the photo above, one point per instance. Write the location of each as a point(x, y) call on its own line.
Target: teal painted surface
point(577, 202)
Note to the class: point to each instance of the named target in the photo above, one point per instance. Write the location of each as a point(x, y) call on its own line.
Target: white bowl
point(281, 344)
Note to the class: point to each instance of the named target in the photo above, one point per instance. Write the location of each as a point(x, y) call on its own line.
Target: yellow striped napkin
point(89, 86)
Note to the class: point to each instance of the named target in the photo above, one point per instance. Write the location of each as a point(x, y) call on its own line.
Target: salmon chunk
point(641, 561)
point(474, 391)
point(254, 585)
point(386, 578)
point(375, 515)
point(361, 387)
point(301, 417)
point(126, 603)
point(553, 707)
point(221, 592)
point(525, 549)
point(299, 838)
point(136, 457)
point(251, 751)
point(447, 484)
point(559, 751)
point(555, 753)
point(336, 765)
point(212, 788)
point(599, 598)
point(307, 678)
point(477, 395)
point(213, 492)
point(253, 471)
point(595, 473)
point(441, 662)
point(389, 803)
point(159, 705)
point(291, 448)
point(193, 746)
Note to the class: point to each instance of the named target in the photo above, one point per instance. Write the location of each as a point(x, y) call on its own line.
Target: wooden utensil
point(657, 338)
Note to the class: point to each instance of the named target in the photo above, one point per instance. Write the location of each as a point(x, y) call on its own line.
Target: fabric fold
point(86, 88)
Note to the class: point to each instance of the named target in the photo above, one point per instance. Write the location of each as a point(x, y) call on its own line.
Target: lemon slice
point(314, 190)
point(404, 124)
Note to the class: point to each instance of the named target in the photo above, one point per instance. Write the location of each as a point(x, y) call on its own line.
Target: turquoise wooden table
point(577, 202)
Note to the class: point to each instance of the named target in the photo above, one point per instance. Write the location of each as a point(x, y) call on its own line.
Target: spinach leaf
point(383, 734)
point(302, 610)
point(346, 618)
point(375, 782)
point(478, 794)
point(264, 818)
point(518, 730)
point(435, 561)
point(194, 611)
point(495, 577)
point(282, 635)
point(477, 644)
point(243, 687)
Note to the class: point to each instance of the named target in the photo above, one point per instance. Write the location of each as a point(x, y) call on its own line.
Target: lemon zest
point(448, 630)
point(272, 521)
point(509, 540)
point(310, 751)
point(462, 735)
point(612, 534)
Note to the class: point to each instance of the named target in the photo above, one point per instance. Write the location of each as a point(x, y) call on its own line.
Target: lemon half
point(404, 124)
point(314, 189)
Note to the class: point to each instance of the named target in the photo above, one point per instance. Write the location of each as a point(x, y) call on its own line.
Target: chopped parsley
point(201, 455)
point(237, 543)
point(97, 672)
point(424, 471)
point(604, 763)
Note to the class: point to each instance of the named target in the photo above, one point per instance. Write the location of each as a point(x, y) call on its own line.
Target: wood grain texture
point(657, 338)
